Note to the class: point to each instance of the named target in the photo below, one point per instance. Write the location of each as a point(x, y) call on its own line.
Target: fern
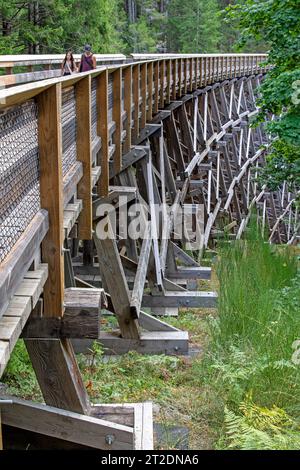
point(260, 428)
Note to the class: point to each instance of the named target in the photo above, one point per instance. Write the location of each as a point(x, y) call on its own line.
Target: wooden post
point(191, 74)
point(150, 90)
point(117, 117)
point(143, 95)
point(180, 68)
point(84, 155)
point(174, 75)
point(201, 72)
point(102, 128)
point(168, 96)
point(156, 86)
point(127, 107)
point(162, 84)
point(136, 100)
point(51, 194)
point(185, 61)
point(53, 360)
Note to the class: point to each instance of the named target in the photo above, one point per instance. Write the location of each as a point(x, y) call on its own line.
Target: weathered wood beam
point(66, 425)
point(197, 299)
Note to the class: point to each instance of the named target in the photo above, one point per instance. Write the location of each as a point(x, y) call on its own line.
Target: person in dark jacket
point(88, 61)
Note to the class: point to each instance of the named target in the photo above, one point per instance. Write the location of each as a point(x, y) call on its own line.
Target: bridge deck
point(164, 130)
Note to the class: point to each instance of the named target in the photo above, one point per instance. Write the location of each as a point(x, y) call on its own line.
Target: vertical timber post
point(53, 359)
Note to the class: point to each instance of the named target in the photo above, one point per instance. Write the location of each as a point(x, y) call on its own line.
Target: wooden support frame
point(51, 189)
point(117, 118)
point(102, 128)
point(84, 155)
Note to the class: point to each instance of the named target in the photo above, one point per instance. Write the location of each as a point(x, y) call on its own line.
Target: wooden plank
point(192, 272)
point(14, 267)
point(156, 87)
point(127, 74)
point(141, 272)
point(102, 129)
point(162, 65)
point(84, 155)
point(112, 271)
point(197, 299)
point(143, 70)
point(58, 374)
point(150, 323)
point(117, 117)
point(66, 425)
point(150, 342)
point(150, 78)
point(4, 355)
point(51, 190)
point(136, 101)
point(143, 426)
point(81, 318)
point(71, 181)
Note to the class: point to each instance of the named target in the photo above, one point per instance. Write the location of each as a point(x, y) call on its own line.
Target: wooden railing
point(18, 69)
point(107, 111)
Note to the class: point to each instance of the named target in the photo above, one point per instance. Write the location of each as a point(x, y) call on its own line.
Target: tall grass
point(250, 354)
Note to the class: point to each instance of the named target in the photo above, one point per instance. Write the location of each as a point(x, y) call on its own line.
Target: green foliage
point(193, 26)
point(278, 23)
point(251, 348)
point(259, 428)
point(19, 375)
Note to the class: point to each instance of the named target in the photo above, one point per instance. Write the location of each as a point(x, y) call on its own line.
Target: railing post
point(143, 120)
point(117, 118)
point(102, 128)
point(168, 96)
point(180, 69)
point(150, 90)
point(53, 360)
point(127, 107)
point(162, 84)
point(185, 61)
point(84, 155)
point(191, 74)
point(136, 100)
point(51, 195)
point(175, 76)
point(156, 86)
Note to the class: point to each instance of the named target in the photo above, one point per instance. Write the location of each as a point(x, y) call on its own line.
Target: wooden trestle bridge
point(170, 129)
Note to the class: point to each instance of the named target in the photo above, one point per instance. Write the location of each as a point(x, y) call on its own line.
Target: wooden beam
point(141, 272)
point(143, 71)
point(51, 189)
point(66, 425)
point(188, 299)
point(102, 129)
point(16, 264)
point(127, 74)
point(136, 101)
point(84, 155)
point(150, 342)
point(58, 374)
point(117, 118)
point(81, 318)
point(112, 271)
point(150, 90)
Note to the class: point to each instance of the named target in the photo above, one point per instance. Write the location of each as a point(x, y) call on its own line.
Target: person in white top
point(68, 65)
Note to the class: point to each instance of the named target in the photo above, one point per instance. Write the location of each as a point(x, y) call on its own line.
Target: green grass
point(242, 388)
point(250, 352)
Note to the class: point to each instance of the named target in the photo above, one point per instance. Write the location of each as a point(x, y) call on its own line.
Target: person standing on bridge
point(88, 61)
point(68, 65)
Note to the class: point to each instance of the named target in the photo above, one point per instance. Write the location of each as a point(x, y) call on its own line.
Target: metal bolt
point(109, 439)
